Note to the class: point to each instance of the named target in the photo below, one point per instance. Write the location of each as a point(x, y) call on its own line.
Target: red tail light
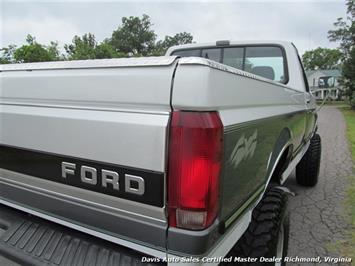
point(195, 153)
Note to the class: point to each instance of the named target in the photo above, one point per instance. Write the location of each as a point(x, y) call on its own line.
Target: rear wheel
point(307, 170)
point(268, 233)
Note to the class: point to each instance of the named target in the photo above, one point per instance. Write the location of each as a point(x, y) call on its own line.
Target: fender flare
point(281, 145)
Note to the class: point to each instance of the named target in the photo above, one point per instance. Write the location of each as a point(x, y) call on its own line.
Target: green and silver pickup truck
point(159, 160)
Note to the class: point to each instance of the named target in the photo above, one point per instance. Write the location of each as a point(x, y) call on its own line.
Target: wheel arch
point(280, 157)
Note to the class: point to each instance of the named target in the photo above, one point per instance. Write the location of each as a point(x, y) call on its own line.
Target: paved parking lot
point(317, 214)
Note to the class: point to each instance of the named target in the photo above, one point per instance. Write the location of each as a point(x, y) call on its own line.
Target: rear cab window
point(212, 54)
point(188, 53)
point(234, 57)
point(268, 61)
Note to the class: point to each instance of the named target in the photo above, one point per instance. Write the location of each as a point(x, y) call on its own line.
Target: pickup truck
point(174, 159)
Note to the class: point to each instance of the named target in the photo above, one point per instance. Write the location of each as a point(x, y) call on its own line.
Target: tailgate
point(85, 143)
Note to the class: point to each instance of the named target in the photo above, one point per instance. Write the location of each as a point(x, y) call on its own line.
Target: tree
point(86, 47)
point(134, 36)
point(178, 39)
point(81, 47)
point(53, 50)
point(35, 52)
point(7, 54)
point(321, 58)
point(345, 34)
point(105, 50)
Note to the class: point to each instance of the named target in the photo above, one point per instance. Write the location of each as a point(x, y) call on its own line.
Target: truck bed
point(29, 240)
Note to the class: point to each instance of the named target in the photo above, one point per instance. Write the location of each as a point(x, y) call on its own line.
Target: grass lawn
point(348, 247)
point(336, 103)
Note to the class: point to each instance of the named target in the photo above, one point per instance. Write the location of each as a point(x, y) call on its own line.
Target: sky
point(305, 23)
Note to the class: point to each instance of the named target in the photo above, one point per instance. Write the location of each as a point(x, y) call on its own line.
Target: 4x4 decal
point(244, 148)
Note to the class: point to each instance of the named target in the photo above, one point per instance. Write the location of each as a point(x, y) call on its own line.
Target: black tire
point(307, 170)
point(269, 220)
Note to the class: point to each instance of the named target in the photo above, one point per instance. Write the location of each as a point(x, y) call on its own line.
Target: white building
point(321, 82)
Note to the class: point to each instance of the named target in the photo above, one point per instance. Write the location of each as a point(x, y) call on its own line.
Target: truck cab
point(273, 60)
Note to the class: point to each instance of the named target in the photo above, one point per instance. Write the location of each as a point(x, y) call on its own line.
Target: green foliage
point(35, 52)
point(346, 247)
point(7, 54)
point(178, 39)
point(350, 121)
point(134, 36)
point(348, 76)
point(105, 50)
point(352, 100)
point(321, 58)
point(81, 47)
point(53, 50)
point(345, 34)
point(86, 47)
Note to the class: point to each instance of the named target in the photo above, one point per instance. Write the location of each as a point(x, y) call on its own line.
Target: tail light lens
point(195, 153)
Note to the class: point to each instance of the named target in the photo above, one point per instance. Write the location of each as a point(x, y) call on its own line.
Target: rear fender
point(280, 156)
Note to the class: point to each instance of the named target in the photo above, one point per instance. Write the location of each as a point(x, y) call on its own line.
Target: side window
point(233, 57)
point(267, 62)
point(187, 53)
point(212, 54)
